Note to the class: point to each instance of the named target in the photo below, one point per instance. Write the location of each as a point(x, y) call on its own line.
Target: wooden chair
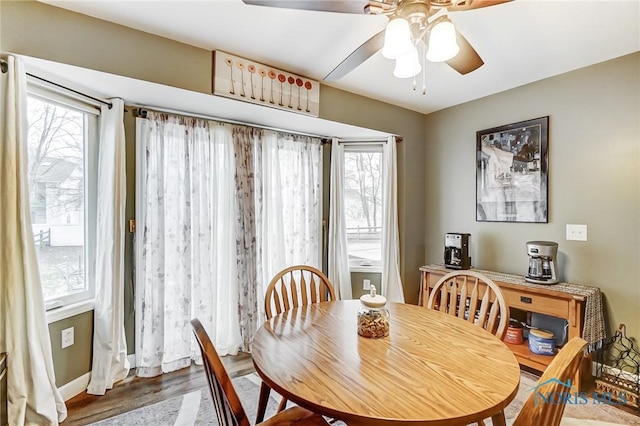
point(474, 297)
point(294, 286)
point(554, 381)
point(225, 399)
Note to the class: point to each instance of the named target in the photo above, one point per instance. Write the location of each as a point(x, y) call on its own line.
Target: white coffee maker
point(542, 256)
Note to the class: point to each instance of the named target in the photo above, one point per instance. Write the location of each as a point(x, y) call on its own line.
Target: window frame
point(369, 147)
point(81, 301)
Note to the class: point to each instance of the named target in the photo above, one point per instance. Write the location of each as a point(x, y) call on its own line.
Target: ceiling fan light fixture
point(397, 39)
point(443, 44)
point(408, 65)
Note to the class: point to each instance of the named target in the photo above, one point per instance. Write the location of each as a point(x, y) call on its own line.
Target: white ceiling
point(520, 42)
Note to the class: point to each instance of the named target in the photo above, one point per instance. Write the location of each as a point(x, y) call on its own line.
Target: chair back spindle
point(473, 297)
point(296, 286)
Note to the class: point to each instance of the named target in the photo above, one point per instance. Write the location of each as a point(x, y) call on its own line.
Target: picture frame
point(250, 81)
point(512, 166)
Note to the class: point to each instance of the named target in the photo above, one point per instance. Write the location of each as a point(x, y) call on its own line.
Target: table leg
point(499, 419)
point(263, 399)
point(282, 405)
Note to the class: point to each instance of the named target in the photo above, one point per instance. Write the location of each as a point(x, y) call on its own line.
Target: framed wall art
point(245, 80)
point(512, 172)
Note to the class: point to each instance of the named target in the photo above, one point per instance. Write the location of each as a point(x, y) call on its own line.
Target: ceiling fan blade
point(341, 6)
point(467, 59)
point(357, 57)
point(475, 4)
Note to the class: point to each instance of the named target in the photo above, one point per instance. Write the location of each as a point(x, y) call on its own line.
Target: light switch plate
point(577, 232)
point(67, 337)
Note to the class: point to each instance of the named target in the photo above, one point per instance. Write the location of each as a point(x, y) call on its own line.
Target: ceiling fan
point(420, 15)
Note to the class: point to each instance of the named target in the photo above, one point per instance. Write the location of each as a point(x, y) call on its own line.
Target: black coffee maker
point(456, 251)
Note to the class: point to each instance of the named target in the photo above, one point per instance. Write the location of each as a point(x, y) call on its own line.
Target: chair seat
point(295, 416)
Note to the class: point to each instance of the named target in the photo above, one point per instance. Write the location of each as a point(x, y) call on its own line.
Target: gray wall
point(358, 277)
point(47, 32)
point(594, 163)
point(73, 361)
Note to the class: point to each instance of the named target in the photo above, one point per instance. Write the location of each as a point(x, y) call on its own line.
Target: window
point(62, 138)
point(363, 205)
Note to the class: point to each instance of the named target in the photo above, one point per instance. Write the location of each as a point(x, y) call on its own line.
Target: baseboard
point(75, 387)
point(79, 385)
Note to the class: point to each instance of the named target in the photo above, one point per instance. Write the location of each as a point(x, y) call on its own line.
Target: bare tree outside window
point(363, 205)
point(56, 172)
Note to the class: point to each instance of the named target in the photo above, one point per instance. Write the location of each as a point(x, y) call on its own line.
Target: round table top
point(432, 369)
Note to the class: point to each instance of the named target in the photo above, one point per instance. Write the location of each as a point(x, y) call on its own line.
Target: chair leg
point(282, 405)
point(499, 419)
point(263, 399)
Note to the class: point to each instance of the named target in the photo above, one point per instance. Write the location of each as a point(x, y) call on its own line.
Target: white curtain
point(222, 209)
point(338, 260)
point(110, 362)
point(32, 394)
point(391, 282)
point(290, 206)
point(188, 263)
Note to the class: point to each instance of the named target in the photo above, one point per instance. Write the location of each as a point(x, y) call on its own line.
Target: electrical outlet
point(366, 284)
point(577, 232)
point(67, 337)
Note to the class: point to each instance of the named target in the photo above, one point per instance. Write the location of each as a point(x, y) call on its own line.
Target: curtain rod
point(4, 67)
point(141, 111)
point(366, 141)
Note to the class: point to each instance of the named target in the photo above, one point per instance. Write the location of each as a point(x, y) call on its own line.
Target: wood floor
point(135, 392)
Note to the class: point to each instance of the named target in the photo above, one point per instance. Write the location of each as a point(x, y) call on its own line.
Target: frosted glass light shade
point(408, 65)
point(397, 39)
point(442, 42)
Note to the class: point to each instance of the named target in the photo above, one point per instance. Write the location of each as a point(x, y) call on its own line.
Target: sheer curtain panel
point(247, 154)
point(110, 362)
point(391, 281)
point(278, 199)
point(289, 181)
point(187, 262)
point(32, 394)
point(222, 208)
point(338, 260)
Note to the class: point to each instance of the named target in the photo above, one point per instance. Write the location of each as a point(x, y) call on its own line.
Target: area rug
point(196, 409)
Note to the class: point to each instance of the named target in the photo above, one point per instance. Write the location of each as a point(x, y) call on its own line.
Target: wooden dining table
point(432, 369)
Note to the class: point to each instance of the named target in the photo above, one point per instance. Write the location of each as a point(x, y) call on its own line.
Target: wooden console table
point(563, 300)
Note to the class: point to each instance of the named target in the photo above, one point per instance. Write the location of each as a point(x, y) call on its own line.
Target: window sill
point(70, 310)
point(366, 269)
